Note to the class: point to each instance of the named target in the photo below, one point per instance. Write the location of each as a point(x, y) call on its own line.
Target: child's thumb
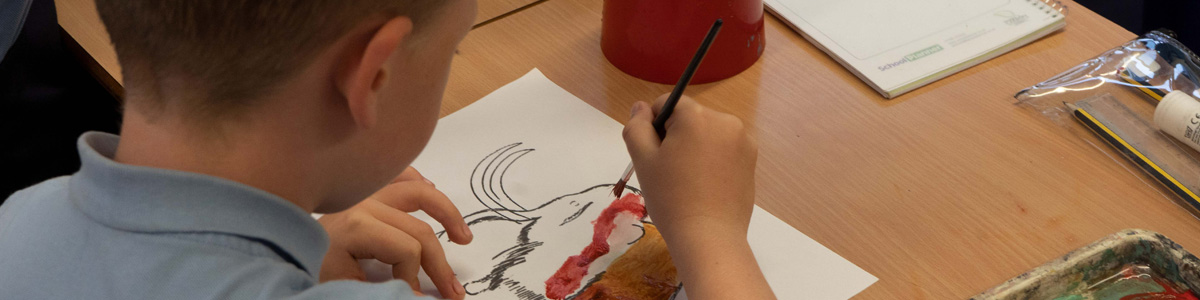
point(640, 138)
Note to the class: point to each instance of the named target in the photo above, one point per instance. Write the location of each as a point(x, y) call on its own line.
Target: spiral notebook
point(897, 46)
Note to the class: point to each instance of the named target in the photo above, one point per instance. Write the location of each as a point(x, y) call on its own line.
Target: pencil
point(1136, 156)
point(669, 106)
point(1142, 84)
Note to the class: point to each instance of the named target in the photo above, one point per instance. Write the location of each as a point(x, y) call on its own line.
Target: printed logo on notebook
point(1011, 18)
point(913, 57)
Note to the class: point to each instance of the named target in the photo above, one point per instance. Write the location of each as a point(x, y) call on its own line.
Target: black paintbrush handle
point(661, 120)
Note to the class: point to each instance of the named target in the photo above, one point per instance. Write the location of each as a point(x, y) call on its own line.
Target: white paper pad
point(899, 45)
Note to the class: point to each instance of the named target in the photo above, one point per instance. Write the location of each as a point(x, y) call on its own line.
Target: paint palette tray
point(1102, 259)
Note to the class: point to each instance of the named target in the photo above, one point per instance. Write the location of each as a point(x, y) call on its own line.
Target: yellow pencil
point(1136, 156)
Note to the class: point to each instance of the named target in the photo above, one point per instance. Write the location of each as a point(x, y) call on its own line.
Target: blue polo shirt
point(116, 231)
point(12, 17)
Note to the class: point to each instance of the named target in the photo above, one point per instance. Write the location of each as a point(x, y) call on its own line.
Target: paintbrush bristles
point(618, 188)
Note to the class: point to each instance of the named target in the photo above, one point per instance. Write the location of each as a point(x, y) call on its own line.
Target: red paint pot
point(655, 39)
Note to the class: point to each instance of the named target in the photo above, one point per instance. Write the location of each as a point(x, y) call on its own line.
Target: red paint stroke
point(1169, 293)
point(570, 275)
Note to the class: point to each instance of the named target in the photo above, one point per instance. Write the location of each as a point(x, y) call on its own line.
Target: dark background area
point(47, 99)
point(1141, 16)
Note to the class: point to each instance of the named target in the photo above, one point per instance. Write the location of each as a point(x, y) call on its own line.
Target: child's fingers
point(686, 108)
point(433, 260)
point(389, 245)
point(413, 196)
point(657, 106)
point(411, 174)
point(341, 266)
point(433, 257)
point(639, 134)
point(408, 272)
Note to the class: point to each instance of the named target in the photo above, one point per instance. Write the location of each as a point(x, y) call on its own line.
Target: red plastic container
point(655, 39)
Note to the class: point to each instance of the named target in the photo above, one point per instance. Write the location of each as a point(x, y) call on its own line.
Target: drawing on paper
point(583, 245)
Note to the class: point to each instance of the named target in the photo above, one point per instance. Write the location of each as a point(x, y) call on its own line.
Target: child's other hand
point(701, 176)
point(381, 228)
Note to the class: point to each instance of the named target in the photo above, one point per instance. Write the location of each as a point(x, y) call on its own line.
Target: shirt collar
point(144, 199)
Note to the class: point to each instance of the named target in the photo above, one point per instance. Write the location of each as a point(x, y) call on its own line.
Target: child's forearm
point(716, 267)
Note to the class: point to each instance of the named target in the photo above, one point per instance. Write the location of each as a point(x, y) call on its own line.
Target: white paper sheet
point(531, 142)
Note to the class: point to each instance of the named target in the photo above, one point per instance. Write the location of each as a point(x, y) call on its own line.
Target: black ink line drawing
point(531, 229)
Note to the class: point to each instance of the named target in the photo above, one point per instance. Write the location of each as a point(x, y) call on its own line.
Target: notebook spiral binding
point(1056, 5)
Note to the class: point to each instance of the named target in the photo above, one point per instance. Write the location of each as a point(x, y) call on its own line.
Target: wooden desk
point(81, 22)
point(494, 9)
point(941, 193)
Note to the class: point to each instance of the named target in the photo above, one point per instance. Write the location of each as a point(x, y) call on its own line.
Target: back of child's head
point(223, 54)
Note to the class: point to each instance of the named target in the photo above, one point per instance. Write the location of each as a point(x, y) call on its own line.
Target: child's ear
point(362, 79)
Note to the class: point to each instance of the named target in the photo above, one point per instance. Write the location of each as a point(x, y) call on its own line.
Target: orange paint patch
point(645, 271)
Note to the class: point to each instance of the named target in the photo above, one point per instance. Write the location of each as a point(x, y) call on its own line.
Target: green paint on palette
point(1131, 264)
point(1121, 288)
point(1135, 281)
point(1074, 286)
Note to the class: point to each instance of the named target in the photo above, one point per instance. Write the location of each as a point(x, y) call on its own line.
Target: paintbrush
point(661, 120)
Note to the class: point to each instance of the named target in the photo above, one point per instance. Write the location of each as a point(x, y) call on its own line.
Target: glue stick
point(1179, 116)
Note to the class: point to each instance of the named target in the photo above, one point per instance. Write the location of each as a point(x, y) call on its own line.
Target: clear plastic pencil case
point(1137, 103)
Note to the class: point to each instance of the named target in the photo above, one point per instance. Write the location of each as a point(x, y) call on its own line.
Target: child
point(244, 116)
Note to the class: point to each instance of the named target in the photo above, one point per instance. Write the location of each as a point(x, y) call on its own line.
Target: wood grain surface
point(941, 193)
point(81, 22)
point(82, 25)
point(492, 9)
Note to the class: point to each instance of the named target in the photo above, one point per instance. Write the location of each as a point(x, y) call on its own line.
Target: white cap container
point(1179, 116)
